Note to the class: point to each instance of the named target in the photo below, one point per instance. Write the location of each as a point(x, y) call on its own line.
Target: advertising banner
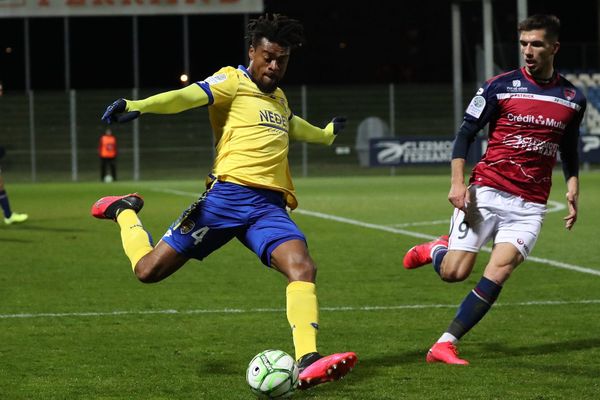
point(69, 8)
point(590, 149)
point(417, 150)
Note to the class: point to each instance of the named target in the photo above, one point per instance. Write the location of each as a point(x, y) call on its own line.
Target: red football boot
point(420, 254)
point(316, 369)
point(110, 206)
point(445, 352)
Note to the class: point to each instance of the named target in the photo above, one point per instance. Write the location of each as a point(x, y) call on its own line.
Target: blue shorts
point(256, 217)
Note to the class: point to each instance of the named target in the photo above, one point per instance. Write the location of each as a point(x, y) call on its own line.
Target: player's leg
point(453, 256)
point(148, 263)
point(10, 217)
point(515, 238)
point(102, 169)
point(159, 263)
point(505, 258)
point(292, 259)
point(113, 168)
point(468, 233)
point(454, 265)
point(516, 225)
point(277, 240)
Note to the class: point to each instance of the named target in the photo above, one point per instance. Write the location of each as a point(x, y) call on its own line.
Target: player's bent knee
point(453, 277)
point(457, 266)
point(450, 274)
point(147, 273)
point(303, 271)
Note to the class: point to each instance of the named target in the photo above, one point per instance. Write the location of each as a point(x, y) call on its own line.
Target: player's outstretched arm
point(303, 131)
point(171, 102)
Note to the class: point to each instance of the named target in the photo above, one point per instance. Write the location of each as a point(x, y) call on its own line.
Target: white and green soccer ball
point(272, 374)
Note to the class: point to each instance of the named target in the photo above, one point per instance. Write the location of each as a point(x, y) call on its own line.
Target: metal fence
point(53, 136)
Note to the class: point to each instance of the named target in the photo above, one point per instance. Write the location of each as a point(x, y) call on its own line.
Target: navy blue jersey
point(528, 123)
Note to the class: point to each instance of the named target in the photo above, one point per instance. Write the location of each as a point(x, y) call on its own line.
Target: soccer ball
point(272, 374)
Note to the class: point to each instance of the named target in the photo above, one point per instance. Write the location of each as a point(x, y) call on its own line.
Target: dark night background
point(348, 42)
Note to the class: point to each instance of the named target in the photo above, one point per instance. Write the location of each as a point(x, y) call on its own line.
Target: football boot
point(15, 218)
point(109, 207)
point(316, 369)
point(445, 352)
point(421, 254)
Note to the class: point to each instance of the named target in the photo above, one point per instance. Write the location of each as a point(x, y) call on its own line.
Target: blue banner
point(417, 150)
point(590, 148)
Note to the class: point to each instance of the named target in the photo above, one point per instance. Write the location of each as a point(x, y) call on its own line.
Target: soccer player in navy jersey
point(533, 113)
point(249, 188)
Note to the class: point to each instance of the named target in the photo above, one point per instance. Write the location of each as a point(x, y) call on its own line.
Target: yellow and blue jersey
point(251, 131)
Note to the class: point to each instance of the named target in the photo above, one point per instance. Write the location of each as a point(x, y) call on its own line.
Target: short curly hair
point(550, 23)
point(276, 28)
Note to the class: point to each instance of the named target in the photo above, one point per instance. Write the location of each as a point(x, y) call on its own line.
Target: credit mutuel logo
point(536, 120)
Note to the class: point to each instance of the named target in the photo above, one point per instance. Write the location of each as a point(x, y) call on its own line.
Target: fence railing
point(53, 136)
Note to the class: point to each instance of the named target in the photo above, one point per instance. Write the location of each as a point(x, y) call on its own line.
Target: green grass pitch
point(76, 324)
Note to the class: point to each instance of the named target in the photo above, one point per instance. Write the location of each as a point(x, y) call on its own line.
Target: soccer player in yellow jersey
point(249, 188)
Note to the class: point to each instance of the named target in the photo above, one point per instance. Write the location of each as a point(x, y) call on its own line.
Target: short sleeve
point(222, 86)
point(483, 105)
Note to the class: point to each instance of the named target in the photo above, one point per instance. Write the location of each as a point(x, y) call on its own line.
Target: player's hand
point(572, 206)
point(339, 123)
point(459, 196)
point(116, 112)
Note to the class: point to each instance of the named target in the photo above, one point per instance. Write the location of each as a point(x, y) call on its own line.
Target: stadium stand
point(589, 82)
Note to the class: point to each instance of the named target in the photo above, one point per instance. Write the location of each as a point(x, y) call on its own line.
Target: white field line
point(282, 310)
point(553, 263)
point(555, 206)
point(423, 223)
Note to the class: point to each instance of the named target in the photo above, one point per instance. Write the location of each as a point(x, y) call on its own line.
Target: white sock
point(448, 337)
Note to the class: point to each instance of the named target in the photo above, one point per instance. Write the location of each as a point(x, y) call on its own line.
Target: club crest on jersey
point(187, 226)
point(569, 93)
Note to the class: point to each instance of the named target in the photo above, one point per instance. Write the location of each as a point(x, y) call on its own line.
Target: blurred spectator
point(107, 150)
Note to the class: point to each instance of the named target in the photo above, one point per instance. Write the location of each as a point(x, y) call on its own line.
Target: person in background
point(107, 150)
point(10, 217)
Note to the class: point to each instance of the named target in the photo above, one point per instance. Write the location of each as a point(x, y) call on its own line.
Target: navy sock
point(437, 257)
point(474, 307)
point(4, 204)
